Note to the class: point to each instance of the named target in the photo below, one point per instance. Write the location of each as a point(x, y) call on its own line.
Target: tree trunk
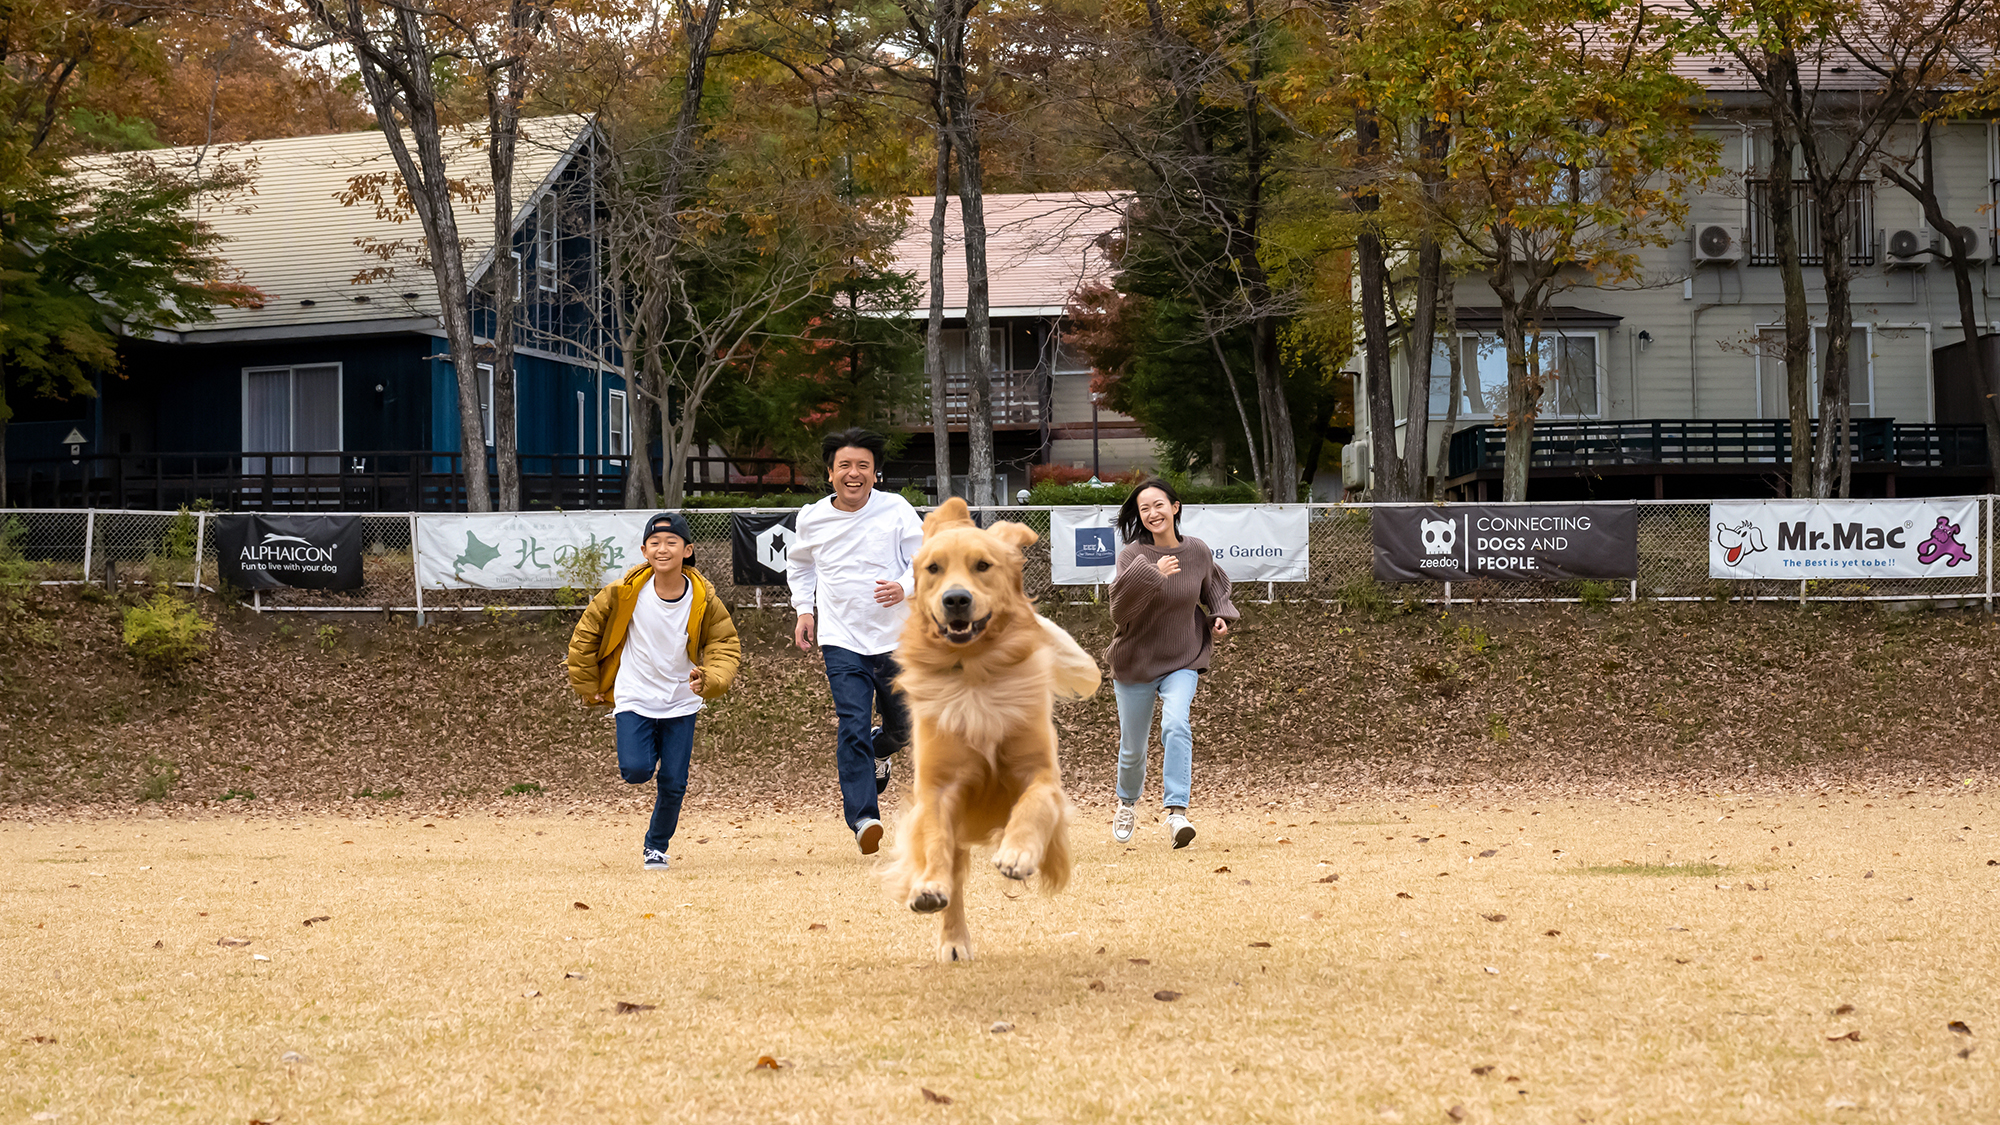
point(972, 218)
point(504, 91)
point(934, 328)
point(1524, 396)
point(1798, 320)
point(1833, 455)
point(1422, 347)
point(1281, 455)
point(1386, 478)
point(1448, 297)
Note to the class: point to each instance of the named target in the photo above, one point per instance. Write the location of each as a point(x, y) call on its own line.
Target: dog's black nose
point(957, 603)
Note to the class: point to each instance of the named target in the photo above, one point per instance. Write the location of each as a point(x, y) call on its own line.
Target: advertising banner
point(523, 550)
point(758, 546)
point(1508, 542)
point(1795, 539)
point(307, 552)
point(1251, 542)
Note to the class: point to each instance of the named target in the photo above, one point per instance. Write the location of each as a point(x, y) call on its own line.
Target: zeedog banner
point(1251, 542)
point(758, 547)
point(523, 551)
point(1796, 539)
point(1509, 542)
point(308, 552)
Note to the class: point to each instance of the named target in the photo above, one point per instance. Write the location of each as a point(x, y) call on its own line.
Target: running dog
point(979, 670)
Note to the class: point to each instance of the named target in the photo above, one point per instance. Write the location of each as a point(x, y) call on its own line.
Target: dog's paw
point(1016, 863)
point(929, 900)
point(958, 949)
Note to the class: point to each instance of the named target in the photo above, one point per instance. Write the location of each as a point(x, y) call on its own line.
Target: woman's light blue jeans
point(1135, 731)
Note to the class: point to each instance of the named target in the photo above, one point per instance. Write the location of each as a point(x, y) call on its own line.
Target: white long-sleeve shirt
point(836, 558)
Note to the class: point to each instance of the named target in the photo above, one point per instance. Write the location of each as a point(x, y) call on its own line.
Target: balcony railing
point(1570, 444)
point(1019, 398)
point(1805, 225)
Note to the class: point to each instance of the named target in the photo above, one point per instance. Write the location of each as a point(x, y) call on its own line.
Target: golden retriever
point(979, 670)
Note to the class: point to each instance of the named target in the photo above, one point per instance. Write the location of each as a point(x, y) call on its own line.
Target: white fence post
point(1989, 556)
point(89, 527)
point(200, 535)
point(416, 571)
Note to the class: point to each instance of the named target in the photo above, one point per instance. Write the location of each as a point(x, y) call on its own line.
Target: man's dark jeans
point(861, 687)
point(666, 744)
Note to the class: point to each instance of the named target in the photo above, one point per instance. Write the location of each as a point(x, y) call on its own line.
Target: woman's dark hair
point(854, 436)
point(1129, 527)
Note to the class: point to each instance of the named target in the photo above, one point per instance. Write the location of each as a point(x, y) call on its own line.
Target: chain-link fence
point(66, 546)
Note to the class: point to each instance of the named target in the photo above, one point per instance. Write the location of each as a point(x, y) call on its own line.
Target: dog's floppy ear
point(1019, 535)
point(951, 513)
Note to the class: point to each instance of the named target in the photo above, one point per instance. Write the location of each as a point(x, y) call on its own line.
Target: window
point(1772, 400)
point(614, 423)
point(1568, 361)
point(519, 281)
point(957, 357)
point(582, 449)
point(292, 409)
point(1805, 224)
point(545, 243)
point(484, 381)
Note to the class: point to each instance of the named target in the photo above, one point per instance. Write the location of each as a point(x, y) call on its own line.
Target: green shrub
point(17, 574)
point(159, 781)
point(520, 788)
point(581, 572)
point(166, 633)
point(1593, 595)
point(1365, 595)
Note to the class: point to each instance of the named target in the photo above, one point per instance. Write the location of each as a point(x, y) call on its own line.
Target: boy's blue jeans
point(667, 745)
point(1135, 730)
point(861, 686)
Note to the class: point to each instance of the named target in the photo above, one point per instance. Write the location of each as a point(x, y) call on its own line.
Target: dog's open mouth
point(960, 632)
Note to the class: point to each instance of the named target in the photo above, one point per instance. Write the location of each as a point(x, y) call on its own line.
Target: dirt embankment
point(298, 710)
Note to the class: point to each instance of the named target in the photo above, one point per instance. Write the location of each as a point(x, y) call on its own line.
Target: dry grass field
point(1690, 958)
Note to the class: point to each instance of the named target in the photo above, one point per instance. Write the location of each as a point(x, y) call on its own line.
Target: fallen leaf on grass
point(1966, 1053)
point(572, 976)
point(1958, 1026)
point(1260, 945)
point(1494, 917)
point(1331, 879)
point(293, 1057)
point(580, 905)
point(817, 926)
point(766, 1062)
point(1489, 853)
point(1138, 960)
point(159, 945)
point(531, 994)
point(1842, 1010)
point(1166, 994)
point(1490, 969)
point(38, 1039)
point(319, 918)
point(1096, 986)
point(626, 1007)
point(1284, 839)
point(233, 941)
point(1456, 1113)
point(1223, 870)
point(1000, 1027)
point(933, 1096)
point(1850, 1036)
point(1551, 933)
point(1404, 894)
point(258, 957)
point(1483, 1071)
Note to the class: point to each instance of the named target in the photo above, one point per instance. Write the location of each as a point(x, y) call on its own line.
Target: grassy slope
point(1301, 696)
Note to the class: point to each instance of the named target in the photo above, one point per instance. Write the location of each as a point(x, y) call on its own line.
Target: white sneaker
point(1179, 828)
point(869, 836)
point(655, 861)
point(1122, 822)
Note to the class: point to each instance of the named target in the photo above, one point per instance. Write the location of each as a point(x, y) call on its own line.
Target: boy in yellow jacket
point(654, 646)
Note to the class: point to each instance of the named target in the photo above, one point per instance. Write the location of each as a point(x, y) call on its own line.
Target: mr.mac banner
point(1509, 542)
point(1794, 539)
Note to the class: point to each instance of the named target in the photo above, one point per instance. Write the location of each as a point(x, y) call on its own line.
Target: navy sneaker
point(655, 861)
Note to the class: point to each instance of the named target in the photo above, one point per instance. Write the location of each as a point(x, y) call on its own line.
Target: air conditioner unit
point(1908, 249)
point(1717, 244)
point(1354, 465)
point(1963, 241)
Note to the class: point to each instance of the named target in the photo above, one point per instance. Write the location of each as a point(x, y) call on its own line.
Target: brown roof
point(1039, 250)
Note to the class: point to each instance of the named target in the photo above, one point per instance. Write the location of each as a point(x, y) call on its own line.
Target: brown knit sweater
point(1159, 624)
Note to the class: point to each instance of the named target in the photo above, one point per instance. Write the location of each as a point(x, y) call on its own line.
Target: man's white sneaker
point(1122, 822)
point(655, 861)
point(1180, 830)
point(869, 836)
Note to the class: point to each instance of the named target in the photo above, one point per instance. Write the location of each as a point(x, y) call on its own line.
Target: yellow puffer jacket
point(600, 636)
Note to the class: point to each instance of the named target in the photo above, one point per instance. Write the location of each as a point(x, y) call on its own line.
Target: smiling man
point(849, 569)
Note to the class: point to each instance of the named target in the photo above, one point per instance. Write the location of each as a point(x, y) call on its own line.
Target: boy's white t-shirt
point(653, 671)
point(835, 559)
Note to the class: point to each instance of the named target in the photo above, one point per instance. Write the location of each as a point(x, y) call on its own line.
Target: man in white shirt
point(849, 569)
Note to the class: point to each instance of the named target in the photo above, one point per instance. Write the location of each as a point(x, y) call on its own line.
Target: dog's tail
point(1077, 674)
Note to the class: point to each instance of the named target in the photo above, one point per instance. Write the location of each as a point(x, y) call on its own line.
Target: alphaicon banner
point(524, 551)
point(1508, 542)
point(760, 546)
point(308, 552)
point(1251, 542)
point(1796, 539)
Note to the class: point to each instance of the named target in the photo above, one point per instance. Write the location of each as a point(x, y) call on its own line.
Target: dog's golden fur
point(980, 669)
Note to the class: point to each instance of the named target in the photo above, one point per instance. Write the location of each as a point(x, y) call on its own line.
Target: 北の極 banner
point(258, 552)
point(1250, 542)
point(524, 550)
point(1795, 539)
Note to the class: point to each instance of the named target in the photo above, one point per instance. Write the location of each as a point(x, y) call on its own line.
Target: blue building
point(338, 391)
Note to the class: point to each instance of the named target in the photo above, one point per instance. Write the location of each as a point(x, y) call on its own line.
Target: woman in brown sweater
point(1169, 601)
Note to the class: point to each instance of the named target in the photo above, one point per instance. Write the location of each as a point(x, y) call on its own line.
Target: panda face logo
point(1440, 536)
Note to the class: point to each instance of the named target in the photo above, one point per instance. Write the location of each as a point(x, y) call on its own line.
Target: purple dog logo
point(1943, 543)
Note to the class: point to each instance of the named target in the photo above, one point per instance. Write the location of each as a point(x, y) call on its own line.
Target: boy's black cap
point(668, 521)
